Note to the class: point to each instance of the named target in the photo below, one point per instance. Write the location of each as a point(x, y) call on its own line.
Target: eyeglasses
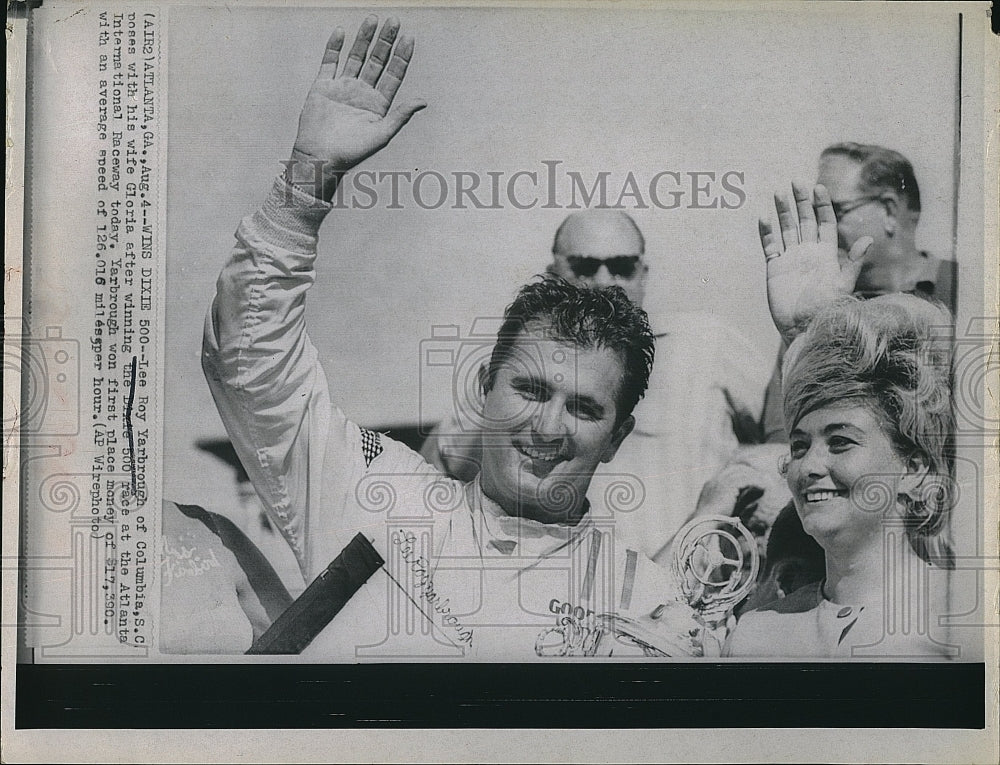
point(584, 266)
point(841, 209)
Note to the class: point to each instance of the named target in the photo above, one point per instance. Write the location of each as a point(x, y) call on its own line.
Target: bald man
point(601, 248)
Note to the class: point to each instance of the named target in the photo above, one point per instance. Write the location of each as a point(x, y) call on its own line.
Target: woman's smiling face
point(844, 473)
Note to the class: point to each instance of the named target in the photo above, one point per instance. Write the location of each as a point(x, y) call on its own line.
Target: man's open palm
point(346, 117)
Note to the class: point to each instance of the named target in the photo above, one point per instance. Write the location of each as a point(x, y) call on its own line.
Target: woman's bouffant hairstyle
point(893, 355)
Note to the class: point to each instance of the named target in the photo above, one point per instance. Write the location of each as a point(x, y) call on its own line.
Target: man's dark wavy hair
point(587, 318)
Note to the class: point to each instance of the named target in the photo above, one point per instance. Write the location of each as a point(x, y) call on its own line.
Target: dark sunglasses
point(584, 266)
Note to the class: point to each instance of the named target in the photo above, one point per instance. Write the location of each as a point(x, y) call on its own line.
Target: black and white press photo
point(476, 348)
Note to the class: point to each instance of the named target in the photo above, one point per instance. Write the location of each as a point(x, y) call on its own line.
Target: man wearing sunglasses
point(601, 248)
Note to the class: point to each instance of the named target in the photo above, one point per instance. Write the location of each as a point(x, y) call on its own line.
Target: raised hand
point(346, 117)
point(750, 488)
point(804, 271)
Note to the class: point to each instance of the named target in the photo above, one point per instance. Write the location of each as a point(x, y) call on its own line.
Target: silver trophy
point(715, 562)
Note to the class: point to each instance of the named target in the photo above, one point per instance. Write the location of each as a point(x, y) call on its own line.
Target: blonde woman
point(868, 408)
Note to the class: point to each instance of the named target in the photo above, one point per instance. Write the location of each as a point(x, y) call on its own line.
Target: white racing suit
point(462, 579)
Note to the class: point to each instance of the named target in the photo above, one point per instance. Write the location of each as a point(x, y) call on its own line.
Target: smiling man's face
point(551, 418)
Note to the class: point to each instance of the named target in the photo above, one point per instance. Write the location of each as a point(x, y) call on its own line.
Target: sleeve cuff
point(290, 218)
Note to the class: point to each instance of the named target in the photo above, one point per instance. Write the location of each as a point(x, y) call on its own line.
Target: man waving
point(508, 566)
